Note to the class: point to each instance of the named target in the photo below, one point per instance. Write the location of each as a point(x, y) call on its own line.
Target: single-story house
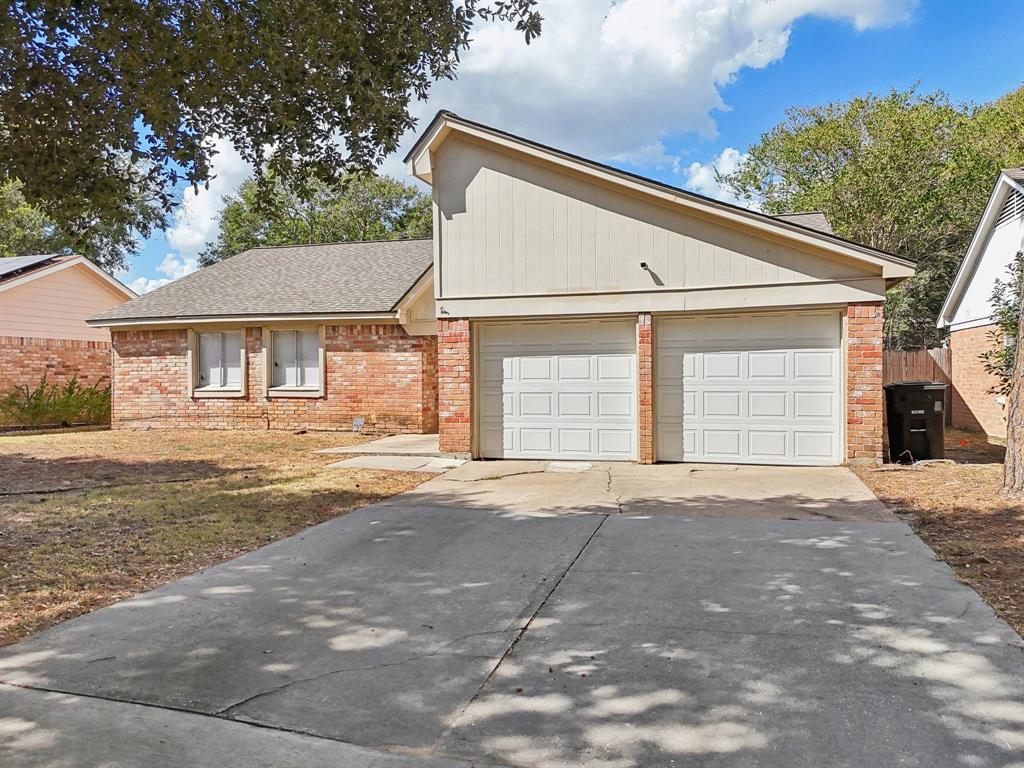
point(327, 337)
point(967, 311)
point(580, 312)
point(45, 301)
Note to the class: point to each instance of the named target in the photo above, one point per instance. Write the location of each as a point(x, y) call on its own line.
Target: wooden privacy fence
point(900, 365)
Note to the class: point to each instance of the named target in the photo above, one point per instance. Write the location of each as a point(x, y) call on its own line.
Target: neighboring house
point(329, 337)
point(44, 304)
point(581, 313)
point(588, 313)
point(967, 311)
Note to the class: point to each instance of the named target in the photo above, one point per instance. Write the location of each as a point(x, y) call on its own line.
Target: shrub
point(46, 404)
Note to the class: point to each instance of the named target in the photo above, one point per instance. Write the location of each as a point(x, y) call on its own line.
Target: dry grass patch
point(956, 508)
point(90, 518)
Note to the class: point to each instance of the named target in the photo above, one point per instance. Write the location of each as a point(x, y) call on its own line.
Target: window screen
point(296, 359)
point(220, 364)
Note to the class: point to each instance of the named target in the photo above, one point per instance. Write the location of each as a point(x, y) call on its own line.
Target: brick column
point(864, 396)
point(455, 386)
point(645, 387)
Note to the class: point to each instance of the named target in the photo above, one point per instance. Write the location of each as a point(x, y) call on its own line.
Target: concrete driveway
point(518, 614)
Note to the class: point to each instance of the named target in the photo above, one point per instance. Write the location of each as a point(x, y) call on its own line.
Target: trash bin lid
point(917, 385)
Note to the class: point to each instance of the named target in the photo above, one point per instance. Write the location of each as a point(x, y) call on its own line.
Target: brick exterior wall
point(865, 399)
point(24, 360)
point(375, 372)
point(455, 386)
point(974, 407)
point(645, 387)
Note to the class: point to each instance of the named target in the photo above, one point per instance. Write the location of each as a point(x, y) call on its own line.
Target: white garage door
point(750, 388)
point(560, 389)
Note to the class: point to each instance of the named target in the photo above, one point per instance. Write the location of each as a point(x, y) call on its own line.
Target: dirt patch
point(956, 509)
point(90, 518)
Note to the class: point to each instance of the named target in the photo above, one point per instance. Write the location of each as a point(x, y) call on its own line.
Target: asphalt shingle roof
point(339, 278)
point(810, 219)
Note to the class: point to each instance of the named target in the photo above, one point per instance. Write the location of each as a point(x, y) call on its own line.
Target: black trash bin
point(915, 412)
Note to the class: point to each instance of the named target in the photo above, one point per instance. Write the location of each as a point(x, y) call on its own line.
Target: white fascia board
point(892, 267)
point(974, 250)
point(247, 320)
point(74, 261)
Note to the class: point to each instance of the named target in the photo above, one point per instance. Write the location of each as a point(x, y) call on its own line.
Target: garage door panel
point(575, 368)
point(575, 404)
point(721, 405)
point(814, 405)
point(573, 385)
point(814, 365)
point(767, 405)
point(765, 366)
point(759, 388)
point(768, 444)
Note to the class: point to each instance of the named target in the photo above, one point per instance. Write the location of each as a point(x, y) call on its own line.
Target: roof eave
point(187, 320)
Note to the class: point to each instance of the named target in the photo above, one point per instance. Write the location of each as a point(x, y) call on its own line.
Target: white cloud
point(195, 222)
point(175, 267)
point(703, 177)
point(146, 284)
point(613, 80)
point(172, 266)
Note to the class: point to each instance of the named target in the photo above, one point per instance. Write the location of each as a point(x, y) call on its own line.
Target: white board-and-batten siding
point(509, 226)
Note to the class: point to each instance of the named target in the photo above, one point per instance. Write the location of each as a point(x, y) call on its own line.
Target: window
point(220, 361)
point(296, 360)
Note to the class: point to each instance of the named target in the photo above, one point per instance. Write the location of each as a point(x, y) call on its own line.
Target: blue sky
point(672, 90)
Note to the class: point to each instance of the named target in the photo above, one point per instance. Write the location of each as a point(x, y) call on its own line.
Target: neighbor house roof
point(13, 265)
point(17, 270)
point(418, 163)
point(1010, 181)
point(810, 219)
point(363, 278)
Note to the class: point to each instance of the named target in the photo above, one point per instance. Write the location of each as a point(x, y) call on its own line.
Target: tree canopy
point(98, 100)
point(904, 172)
point(362, 206)
point(25, 230)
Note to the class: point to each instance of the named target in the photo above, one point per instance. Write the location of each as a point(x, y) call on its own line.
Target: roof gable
point(29, 268)
point(1009, 185)
point(446, 124)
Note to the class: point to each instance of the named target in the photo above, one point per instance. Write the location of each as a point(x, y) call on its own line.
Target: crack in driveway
point(522, 632)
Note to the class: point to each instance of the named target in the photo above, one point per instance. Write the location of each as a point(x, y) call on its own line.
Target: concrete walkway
point(523, 614)
point(401, 445)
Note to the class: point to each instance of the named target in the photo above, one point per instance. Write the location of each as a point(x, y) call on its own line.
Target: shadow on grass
point(23, 473)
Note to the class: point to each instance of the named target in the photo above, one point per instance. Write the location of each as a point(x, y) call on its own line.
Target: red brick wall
point(645, 387)
point(974, 406)
point(455, 385)
point(864, 405)
point(24, 360)
point(375, 372)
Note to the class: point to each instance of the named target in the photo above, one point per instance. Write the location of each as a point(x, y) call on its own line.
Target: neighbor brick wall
point(375, 372)
point(24, 360)
point(645, 387)
point(864, 404)
point(455, 385)
point(974, 406)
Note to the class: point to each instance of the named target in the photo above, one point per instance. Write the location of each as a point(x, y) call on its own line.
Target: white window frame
point(269, 390)
point(194, 390)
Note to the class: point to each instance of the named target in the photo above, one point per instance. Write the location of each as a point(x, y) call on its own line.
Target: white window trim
point(192, 364)
point(270, 391)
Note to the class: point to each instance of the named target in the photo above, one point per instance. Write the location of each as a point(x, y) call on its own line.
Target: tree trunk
point(1013, 466)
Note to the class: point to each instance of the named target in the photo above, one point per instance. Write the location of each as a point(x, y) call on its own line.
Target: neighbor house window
point(219, 365)
point(295, 360)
